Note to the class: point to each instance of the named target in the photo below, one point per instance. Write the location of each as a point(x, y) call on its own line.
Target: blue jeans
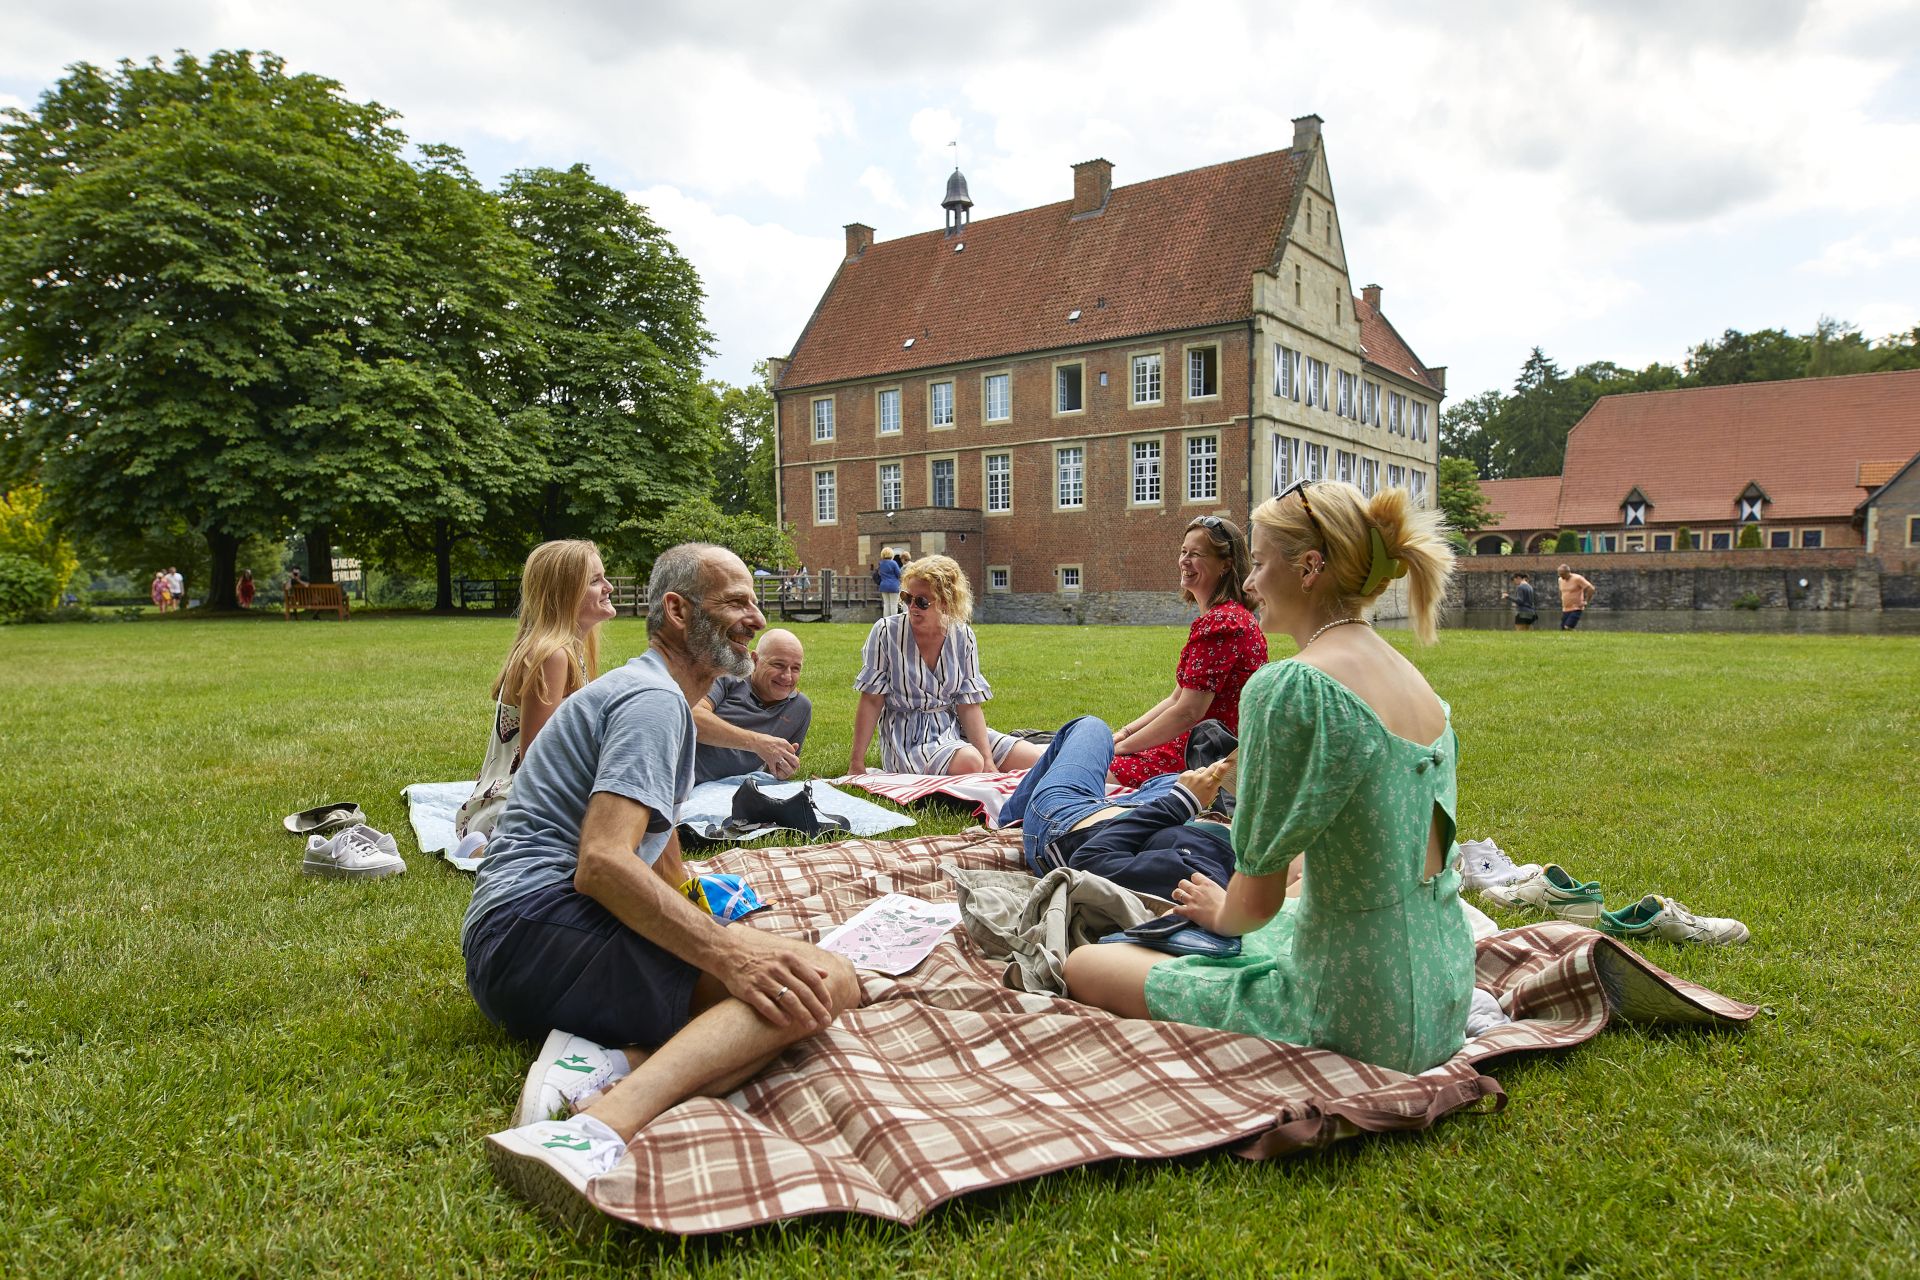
point(1069, 782)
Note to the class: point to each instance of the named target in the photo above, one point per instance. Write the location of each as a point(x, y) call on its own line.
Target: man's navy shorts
point(1570, 619)
point(557, 958)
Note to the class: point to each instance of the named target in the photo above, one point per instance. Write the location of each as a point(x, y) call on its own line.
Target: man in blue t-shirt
point(579, 929)
point(887, 579)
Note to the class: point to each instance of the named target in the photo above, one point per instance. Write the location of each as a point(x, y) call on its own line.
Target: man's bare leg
point(724, 1045)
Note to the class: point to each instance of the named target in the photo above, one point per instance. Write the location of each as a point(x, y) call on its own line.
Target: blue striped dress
point(918, 729)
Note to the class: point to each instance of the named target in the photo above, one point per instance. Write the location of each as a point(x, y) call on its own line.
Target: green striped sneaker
point(1553, 891)
point(1657, 917)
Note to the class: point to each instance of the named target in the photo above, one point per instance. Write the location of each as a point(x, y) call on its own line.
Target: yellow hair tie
point(1385, 568)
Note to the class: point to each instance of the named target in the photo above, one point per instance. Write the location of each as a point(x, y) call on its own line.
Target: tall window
point(1067, 383)
point(1146, 471)
point(1070, 466)
point(1316, 383)
point(826, 501)
point(1203, 372)
point(943, 486)
point(1419, 421)
point(1419, 486)
point(1370, 404)
point(1315, 463)
point(999, 397)
point(1396, 413)
point(1343, 462)
point(1396, 476)
point(889, 411)
point(999, 482)
point(1203, 468)
point(1286, 462)
point(1286, 372)
point(1344, 404)
point(940, 407)
point(1146, 379)
point(823, 419)
point(891, 497)
point(1369, 475)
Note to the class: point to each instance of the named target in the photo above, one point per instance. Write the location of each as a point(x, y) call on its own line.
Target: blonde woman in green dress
point(1347, 766)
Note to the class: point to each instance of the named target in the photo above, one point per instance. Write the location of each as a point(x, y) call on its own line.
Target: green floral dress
point(1371, 960)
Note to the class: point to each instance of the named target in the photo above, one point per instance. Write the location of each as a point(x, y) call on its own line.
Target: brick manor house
point(1049, 396)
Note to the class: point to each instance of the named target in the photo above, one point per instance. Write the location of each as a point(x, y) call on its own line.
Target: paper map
point(893, 934)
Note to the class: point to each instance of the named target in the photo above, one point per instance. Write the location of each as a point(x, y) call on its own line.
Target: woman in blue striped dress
point(920, 683)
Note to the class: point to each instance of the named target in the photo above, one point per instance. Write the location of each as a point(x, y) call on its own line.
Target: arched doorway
point(1491, 544)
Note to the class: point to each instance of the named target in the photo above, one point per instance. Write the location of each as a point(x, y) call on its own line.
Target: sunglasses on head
point(920, 602)
point(1300, 487)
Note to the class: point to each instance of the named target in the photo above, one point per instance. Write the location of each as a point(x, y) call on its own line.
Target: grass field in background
point(211, 1064)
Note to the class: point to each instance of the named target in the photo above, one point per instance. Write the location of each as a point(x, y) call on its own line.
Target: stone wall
point(1834, 578)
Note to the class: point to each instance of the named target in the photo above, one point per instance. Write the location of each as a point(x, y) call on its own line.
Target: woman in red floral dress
point(1223, 649)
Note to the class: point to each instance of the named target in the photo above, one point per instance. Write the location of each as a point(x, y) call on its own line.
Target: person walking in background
point(177, 587)
point(1575, 592)
point(243, 589)
point(887, 578)
point(160, 591)
point(1525, 614)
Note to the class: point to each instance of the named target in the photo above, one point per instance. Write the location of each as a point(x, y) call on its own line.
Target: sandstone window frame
point(1078, 477)
point(1819, 537)
point(1188, 352)
point(826, 498)
point(1779, 539)
point(1004, 377)
point(1189, 441)
point(1146, 471)
point(1659, 537)
point(899, 485)
point(987, 485)
point(999, 579)
point(822, 420)
point(1070, 578)
point(1719, 539)
point(934, 421)
point(1913, 531)
point(880, 414)
point(1146, 371)
point(1079, 368)
point(933, 480)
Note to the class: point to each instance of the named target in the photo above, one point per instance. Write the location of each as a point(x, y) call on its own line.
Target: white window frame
point(1207, 459)
point(1077, 477)
point(880, 402)
point(826, 498)
point(1417, 485)
point(986, 396)
point(1606, 543)
point(1199, 349)
point(1420, 420)
point(1396, 414)
point(933, 487)
point(987, 479)
point(1344, 464)
point(1080, 365)
point(1146, 367)
point(1913, 531)
point(1316, 383)
point(1286, 373)
point(1003, 574)
point(1076, 572)
point(1370, 411)
point(899, 484)
point(933, 406)
point(1396, 476)
point(1369, 476)
point(1146, 468)
point(823, 420)
point(1286, 462)
point(1636, 515)
point(1314, 461)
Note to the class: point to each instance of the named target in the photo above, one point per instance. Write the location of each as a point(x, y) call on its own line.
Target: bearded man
point(579, 929)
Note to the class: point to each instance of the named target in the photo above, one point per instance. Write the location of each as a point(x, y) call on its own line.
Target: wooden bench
point(315, 597)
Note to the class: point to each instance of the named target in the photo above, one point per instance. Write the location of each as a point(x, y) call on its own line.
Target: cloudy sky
point(1609, 179)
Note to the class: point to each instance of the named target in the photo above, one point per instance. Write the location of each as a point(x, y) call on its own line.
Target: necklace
point(1337, 622)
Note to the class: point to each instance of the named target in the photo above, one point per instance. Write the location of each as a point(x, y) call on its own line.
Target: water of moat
point(1773, 621)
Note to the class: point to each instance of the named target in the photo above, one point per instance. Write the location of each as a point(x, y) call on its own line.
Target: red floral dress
point(1224, 648)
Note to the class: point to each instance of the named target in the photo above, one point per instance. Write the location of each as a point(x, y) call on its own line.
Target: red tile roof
point(1385, 347)
point(1171, 253)
point(1692, 452)
point(1525, 506)
point(1875, 474)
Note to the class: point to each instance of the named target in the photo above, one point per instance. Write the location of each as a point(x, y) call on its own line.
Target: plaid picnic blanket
point(946, 1082)
point(986, 792)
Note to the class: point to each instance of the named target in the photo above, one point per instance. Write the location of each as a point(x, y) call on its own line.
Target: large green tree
point(1765, 355)
point(1461, 500)
point(1466, 429)
point(743, 448)
point(214, 277)
point(624, 425)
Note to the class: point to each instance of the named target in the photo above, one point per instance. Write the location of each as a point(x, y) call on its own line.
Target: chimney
point(1372, 294)
point(1438, 373)
point(776, 369)
point(1092, 184)
point(859, 238)
point(1306, 132)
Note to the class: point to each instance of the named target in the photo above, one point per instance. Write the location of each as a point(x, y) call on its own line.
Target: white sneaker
point(1657, 917)
point(357, 853)
point(1485, 865)
point(553, 1163)
point(568, 1073)
point(1552, 890)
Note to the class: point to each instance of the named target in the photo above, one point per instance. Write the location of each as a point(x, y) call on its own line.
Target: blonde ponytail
point(1342, 527)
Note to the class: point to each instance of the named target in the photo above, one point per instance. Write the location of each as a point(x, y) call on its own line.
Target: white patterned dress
point(1373, 959)
point(495, 787)
point(919, 731)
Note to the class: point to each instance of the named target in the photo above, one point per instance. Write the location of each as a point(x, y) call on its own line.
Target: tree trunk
point(550, 514)
point(320, 553)
point(224, 550)
point(443, 566)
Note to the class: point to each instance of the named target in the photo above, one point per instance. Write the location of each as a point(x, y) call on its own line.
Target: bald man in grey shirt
point(758, 722)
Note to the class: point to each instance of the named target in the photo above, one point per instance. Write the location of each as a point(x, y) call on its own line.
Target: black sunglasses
point(1300, 487)
point(920, 602)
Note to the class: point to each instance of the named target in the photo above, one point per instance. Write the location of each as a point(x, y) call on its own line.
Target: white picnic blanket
point(431, 807)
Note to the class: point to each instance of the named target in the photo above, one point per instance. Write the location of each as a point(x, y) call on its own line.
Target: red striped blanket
point(946, 1082)
point(986, 792)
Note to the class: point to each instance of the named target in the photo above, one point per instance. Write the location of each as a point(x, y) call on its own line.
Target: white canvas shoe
point(1485, 865)
point(1657, 917)
point(1552, 890)
point(552, 1164)
point(356, 853)
point(569, 1071)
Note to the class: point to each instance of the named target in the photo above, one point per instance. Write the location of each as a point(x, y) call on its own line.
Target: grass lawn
point(210, 1064)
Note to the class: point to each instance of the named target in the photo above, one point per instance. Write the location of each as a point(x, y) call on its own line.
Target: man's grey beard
point(707, 643)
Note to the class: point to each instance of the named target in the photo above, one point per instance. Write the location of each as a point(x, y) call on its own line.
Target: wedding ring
point(781, 994)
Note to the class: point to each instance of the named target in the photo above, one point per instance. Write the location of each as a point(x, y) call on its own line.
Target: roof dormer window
point(1636, 513)
point(1749, 510)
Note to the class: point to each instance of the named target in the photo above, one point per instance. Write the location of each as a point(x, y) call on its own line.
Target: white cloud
point(1879, 319)
point(1863, 252)
point(879, 184)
